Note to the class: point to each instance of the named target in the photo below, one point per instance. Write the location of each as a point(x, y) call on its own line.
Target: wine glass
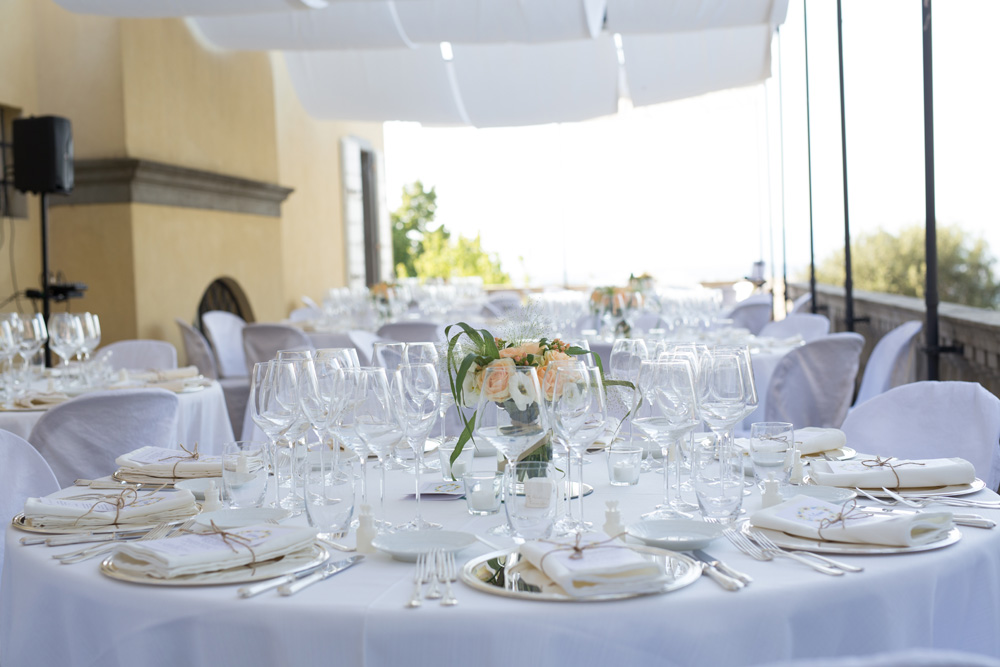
point(355, 393)
point(419, 396)
point(560, 442)
point(33, 337)
point(673, 410)
point(281, 407)
point(260, 398)
point(91, 339)
point(378, 425)
point(388, 355)
point(65, 337)
point(724, 402)
point(347, 357)
point(321, 394)
point(511, 414)
point(8, 349)
point(421, 353)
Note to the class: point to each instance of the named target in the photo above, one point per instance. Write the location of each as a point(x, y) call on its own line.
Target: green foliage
point(409, 225)
point(895, 264)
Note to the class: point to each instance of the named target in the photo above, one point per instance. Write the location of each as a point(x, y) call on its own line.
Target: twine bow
point(879, 462)
point(842, 517)
point(578, 548)
point(192, 455)
point(124, 499)
point(231, 540)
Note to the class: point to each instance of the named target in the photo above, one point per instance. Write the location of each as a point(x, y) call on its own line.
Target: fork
point(766, 542)
point(449, 573)
point(433, 574)
point(161, 530)
point(418, 581)
point(752, 549)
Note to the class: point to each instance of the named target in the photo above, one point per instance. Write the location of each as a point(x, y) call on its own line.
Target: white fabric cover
point(489, 21)
point(142, 354)
point(891, 362)
point(412, 332)
point(911, 657)
point(23, 474)
point(363, 342)
point(644, 16)
point(807, 325)
point(305, 314)
point(237, 394)
point(752, 313)
point(197, 350)
point(84, 436)
point(261, 342)
point(178, 8)
point(813, 385)
point(225, 332)
point(930, 420)
point(803, 304)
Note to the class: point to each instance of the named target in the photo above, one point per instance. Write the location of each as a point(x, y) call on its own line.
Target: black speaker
point(43, 154)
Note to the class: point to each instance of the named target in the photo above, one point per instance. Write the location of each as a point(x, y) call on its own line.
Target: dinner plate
point(949, 490)
point(675, 534)
point(121, 476)
point(406, 546)
point(786, 541)
point(19, 522)
point(237, 518)
point(312, 556)
point(198, 486)
point(488, 574)
point(841, 454)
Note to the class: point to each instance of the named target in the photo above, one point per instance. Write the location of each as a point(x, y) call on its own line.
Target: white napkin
point(803, 516)
point(34, 401)
point(608, 569)
point(813, 440)
point(193, 553)
point(164, 375)
point(913, 473)
point(91, 509)
point(160, 463)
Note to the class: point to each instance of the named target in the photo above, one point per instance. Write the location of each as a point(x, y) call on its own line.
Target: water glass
point(531, 498)
point(772, 450)
point(330, 497)
point(717, 476)
point(624, 464)
point(454, 471)
point(244, 473)
point(483, 491)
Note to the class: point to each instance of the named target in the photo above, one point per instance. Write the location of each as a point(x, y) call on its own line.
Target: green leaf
point(465, 437)
point(490, 345)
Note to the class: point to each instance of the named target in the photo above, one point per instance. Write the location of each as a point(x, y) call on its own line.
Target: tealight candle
point(482, 498)
point(459, 468)
point(623, 471)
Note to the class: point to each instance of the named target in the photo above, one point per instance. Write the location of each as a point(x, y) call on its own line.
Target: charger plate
point(919, 492)
point(20, 523)
point(312, 556)
point(793, 542)
point(166, 482)
point(488, 574)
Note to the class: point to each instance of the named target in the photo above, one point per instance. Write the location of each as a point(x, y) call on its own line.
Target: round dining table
point(947, 598)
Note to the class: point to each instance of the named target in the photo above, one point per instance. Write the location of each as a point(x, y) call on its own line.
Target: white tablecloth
point(201, 418)
point(53, 614)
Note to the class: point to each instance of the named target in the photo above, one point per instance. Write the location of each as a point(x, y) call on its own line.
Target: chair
point(83, 437)
point(813, 385)
point(803, 304)
point(224, 331)
point(23, 474)
point(911, 657)
point(306, 314)
point(261, 342)
point(890, 363)
point(412, 332)
point(752, 313)
point(364, 342)
point(807, 325)
point(197, 350)
point(142, 354)
point(931, 420)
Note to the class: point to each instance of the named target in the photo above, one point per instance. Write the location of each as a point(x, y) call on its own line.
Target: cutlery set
point(759, 547)
point(434, 567)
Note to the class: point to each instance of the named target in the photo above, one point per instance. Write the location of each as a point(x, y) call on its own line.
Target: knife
point(721, 567)
point(724, 580)
point(325, 573)
point(973, 520)
point(263, 586)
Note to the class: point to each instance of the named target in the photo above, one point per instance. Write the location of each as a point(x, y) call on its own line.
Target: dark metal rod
point(812, 242)
point(46, 310)
point(931, 291)
point(848, 280)
point(781, 157)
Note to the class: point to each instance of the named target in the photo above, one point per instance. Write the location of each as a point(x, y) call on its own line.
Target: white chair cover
point(803, 304)
point(261, 342)
point(807, 325)
point(83, 437)
point(197, 350)
point(237, 393)
point(813, 385)
point(911, 657)
point(891, 362)
point(142, 354)
point(23, 474)
point(752, 313)
point(412, 332)
point(931, 420)
point(307, 314)
point(225, 331)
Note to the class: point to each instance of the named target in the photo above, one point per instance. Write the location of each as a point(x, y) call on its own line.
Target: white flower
point(470, 392)
point(522, 392)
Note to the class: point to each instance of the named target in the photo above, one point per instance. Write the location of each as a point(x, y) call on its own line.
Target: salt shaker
point(771, 495)
point(798, 474)
point(613, 520)
point(366, 530)
point(212, 502)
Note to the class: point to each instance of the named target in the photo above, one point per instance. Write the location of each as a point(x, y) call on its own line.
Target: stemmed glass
point(260, 399)
point(626, 356)
point(9, 343)
point(379, 426)
point(321, 394)
point(511, 415)
point(91, 339)
point(33, 337)
point(724, 401)
point(421, 353)
point(347, 357)
point(388, 355)
point(65, 337)
point(419, 396)
point(357, 382)
point(277, 403)
point(669, 386)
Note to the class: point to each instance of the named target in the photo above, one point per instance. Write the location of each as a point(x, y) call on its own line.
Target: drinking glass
point(530, 499)
point(421, 353)
point(626, 358)
point(388, 355)
point(419, 396)
point(717, 475)
point(33, 337)
point(511, 416)
point(91, 339)
point(772, 450)
point(8, 349)
point(483, 491)
point(347, 357)
point(244, 473)
point(281, 408)
point(330, 495)
point(65, 338)
point(259, 400)
point(724, 399)
point(378, 424)
point(321, 395)
point(356, 385)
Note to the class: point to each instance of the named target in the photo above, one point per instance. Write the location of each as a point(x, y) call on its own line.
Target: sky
point(691, 190)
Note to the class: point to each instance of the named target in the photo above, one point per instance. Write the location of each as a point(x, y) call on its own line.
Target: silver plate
point(919, 492)
point(20, 522)
point(840, 454)
point(311, 556)
point(165, 482)
point(786, 541)
point(485, 573)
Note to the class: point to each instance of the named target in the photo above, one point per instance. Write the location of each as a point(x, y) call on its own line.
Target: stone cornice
point(128, 180)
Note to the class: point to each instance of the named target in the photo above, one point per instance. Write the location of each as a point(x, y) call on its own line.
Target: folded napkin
point(35, 401)
point(96, 509)
point(603, 569)
point(871, 472)
point(160, 463)
point(195, 553)
point(163, 375)
point(820, 520)
point(813, 440)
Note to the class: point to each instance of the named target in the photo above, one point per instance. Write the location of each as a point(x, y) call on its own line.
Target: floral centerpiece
point(614, 306)
point(382, 296)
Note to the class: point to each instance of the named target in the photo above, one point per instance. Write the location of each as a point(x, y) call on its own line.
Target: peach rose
point(496, 379)
point(554, 355)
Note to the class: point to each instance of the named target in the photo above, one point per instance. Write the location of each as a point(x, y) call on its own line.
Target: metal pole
point(46, 309)
point(812, 243)
point(848, 281)
point(781, 157)
point(931, 291)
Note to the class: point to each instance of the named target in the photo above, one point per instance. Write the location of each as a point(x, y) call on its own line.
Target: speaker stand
point(46, 305)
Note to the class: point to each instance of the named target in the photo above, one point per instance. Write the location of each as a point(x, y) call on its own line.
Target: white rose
point(522, 391)
point(470, 389)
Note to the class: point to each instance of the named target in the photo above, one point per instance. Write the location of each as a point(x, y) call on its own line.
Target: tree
point(432, 253)
point(895, 264)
